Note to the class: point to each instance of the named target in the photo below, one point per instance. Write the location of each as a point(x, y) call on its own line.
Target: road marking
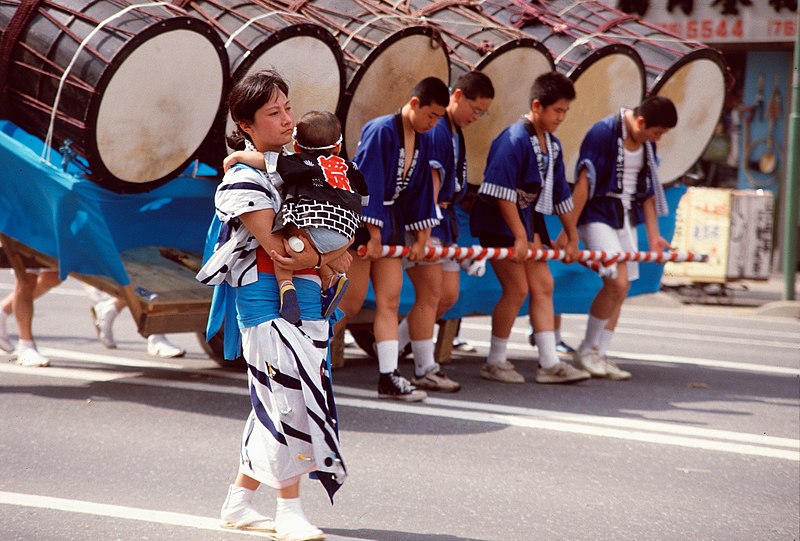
point(131, 513)
point(787, 340)
point(480, 412)
point(609, 427)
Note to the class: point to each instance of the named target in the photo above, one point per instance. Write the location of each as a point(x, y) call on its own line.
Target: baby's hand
point(253, 158)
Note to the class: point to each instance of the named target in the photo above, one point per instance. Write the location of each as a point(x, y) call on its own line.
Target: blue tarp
point(86, 227)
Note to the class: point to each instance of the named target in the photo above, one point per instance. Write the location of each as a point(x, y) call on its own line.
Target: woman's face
point(272, 124)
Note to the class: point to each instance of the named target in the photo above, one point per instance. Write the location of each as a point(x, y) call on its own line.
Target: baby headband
point(327, 147)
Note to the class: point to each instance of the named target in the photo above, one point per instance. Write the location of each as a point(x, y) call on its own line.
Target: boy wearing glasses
point(436, 283)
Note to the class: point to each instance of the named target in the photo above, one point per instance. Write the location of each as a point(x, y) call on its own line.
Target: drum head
point(510, 99)
point(603, 84)
point(157, 108)
point(697, 88)
point(384, 82)
point(312, 85)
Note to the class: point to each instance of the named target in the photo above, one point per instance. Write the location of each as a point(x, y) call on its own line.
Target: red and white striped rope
point(478, 252)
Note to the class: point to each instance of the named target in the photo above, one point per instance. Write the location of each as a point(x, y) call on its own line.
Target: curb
point(780, 309)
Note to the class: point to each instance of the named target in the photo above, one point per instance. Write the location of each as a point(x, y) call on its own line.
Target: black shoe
point(395, 386)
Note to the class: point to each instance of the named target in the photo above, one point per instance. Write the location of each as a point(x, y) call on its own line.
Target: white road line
point(130, 513)
point(749, 367)
point(85, 374)
point(629, 435)
point(723, 335)
point(613, 427)
point(646, 431)
point(673, 359)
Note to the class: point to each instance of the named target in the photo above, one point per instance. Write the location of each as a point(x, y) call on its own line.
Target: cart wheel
point(214, 348)
point(365, 340)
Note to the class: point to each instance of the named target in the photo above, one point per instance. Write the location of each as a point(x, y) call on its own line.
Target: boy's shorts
point(448, 264)
point(601, 236)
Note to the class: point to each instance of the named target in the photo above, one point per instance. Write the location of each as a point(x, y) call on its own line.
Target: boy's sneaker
point(349, 341)
point(614, 372)
point(562, 348)
point(31, 357)
point(159, 346)
point(561, 373)
point(591, 362)
point(290, 305)
point(395, 386)
point(435, 380)
point(463, 346)
point(505, 372)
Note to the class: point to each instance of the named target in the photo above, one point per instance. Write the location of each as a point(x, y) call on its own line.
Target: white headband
point(294, 136)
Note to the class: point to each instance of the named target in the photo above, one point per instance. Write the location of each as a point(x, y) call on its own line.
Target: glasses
point(480, 113)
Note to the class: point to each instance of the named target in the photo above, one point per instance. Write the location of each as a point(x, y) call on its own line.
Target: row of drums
point(139, 88)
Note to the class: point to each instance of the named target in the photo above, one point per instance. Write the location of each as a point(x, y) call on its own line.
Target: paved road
point(703, 443)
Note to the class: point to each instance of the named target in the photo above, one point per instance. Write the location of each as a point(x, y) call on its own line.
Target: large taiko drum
point(478, 42)
point(386, 53)
point(690, 74)
point(258, 36)
point(135, 88)
point(607, 74)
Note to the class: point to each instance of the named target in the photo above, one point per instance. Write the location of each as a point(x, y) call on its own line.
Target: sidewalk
point(764, 296)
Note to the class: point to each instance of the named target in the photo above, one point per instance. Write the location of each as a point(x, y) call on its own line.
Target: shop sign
point(719, 21)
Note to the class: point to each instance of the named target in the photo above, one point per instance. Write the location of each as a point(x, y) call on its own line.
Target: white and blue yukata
point(619, 182)
point(397, 202)
point(518, 170)
point(292, 426)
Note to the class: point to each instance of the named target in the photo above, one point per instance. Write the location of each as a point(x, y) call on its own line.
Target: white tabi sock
point(497, 350)
point(387, 351)
point(291, 522)
point(423, 356)
point(546, 345)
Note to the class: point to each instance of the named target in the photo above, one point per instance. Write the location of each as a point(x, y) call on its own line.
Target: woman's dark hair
point(657, 111)
point(550, 87)
point(247, 96)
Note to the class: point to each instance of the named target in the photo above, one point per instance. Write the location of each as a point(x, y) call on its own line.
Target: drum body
point(688, 73)
point(136, 99)
point(259, 36)
point(386, 53)
point(607, 74)
point(477, 42)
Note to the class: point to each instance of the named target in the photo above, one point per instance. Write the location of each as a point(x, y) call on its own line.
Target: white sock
point(497, 350)
point(237, 498)
point(594, 326)
point(604, 342)
point(403, 338)
point(546, 345)
point(25, 344)
point(423, 356)
point(290, 519)
point(387, 352)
